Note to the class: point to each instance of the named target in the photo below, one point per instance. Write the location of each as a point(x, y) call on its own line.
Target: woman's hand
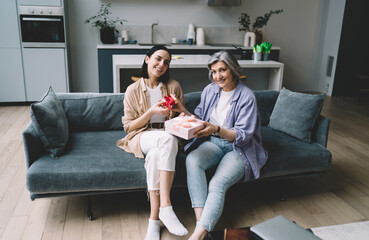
point(180, 109)
point(228, 134)
point(207, 131)
point(157, 109)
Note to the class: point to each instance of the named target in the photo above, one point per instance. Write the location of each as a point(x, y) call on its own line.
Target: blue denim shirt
point(243, 117)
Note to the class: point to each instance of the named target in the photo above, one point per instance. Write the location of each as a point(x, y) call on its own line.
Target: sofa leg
point(90, 214)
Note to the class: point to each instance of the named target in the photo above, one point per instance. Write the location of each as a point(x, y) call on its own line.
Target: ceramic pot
point(257, 56)
point(107, 35)
point(265, 56)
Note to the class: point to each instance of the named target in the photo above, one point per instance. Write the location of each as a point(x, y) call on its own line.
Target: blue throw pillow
point(295, 113)
point(51, 124)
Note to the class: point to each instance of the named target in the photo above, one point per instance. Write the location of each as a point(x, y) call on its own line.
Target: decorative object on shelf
point(257, 49)
point(260, 22)
point(200, 36)
point(249, 39)
point(107, 26)
point(125, 35)
point(265, 48)
point(191, 34)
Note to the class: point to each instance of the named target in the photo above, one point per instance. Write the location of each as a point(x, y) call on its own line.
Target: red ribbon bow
point(169, 101)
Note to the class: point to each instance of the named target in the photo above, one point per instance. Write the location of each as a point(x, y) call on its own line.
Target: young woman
point(230, 141)
point(143, 121)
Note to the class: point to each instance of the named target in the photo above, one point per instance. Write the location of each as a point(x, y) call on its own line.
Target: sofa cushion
point(265, 100)
point(289, 156)
point(295, 113)
point(50, 123)
point(93, 111)
point(92, 162)
point(192, 100)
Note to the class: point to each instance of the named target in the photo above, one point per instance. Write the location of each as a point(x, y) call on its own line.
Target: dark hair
point(229, 59)
point(163, 78)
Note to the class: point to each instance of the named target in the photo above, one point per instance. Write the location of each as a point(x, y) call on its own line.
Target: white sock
point(170, 220)
point(153, 230)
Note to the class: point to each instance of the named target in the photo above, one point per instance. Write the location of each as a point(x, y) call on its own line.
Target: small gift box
point(169, 101)
point(183, 126)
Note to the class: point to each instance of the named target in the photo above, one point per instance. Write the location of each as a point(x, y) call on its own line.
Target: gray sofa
point(91, 162)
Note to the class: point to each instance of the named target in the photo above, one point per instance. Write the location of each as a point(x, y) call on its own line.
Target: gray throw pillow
point(51, 124)
point(295, 113)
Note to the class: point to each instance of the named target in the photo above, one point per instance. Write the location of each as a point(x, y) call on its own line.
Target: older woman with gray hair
point(230, 141)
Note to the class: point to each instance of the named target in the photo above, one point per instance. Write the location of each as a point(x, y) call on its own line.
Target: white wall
point(298, 32)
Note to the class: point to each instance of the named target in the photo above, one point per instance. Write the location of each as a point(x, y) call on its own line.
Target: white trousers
point(160, 149)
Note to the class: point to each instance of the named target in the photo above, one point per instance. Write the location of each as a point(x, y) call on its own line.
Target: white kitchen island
point(122, 63)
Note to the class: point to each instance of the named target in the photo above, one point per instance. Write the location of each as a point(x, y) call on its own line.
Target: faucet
point(152, 32)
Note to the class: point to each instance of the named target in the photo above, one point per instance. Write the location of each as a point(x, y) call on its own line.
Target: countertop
point(187, 61)
point(176, 46)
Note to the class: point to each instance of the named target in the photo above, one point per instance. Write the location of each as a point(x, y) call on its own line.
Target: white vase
point(200, 36)
point(125, 35)
point(249, 40)
point(191, 34)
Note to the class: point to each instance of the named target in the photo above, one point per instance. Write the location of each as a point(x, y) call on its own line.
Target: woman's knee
point(193, 160)
point(218, 184)
point(168, 138)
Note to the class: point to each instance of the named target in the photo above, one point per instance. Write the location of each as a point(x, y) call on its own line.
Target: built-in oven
point(42, 26)
point(44, 50)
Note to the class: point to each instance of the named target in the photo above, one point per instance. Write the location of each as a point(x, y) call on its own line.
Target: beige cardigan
point(137, 102)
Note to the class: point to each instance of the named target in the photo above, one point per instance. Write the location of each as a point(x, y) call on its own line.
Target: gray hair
point(229, 59)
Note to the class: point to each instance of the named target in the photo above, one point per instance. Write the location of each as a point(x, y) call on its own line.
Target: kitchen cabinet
point(9, 24)
point(11, 70)
point(106, 52)
point(11, 76)
point(54, 3)
point(44, 67)
point(261, 75)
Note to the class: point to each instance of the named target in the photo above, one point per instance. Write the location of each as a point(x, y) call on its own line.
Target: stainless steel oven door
point(42, 31)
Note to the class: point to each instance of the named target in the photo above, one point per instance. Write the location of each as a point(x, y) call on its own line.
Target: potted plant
point(107, 26)
point(265, 48)
point(261, 21)
point(257, 49)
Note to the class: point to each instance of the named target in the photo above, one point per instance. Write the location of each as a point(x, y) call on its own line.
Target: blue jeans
point(217, 153)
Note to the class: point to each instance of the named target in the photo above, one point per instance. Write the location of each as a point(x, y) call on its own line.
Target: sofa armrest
point(320, 131)
point(32, 144)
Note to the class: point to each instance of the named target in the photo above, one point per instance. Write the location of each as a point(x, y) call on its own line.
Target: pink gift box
point(183, 126)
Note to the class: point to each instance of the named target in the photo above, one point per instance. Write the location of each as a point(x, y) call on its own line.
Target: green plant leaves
point(102, 20)
point(261, 21)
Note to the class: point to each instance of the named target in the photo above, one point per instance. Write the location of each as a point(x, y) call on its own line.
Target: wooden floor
point(342, 196)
